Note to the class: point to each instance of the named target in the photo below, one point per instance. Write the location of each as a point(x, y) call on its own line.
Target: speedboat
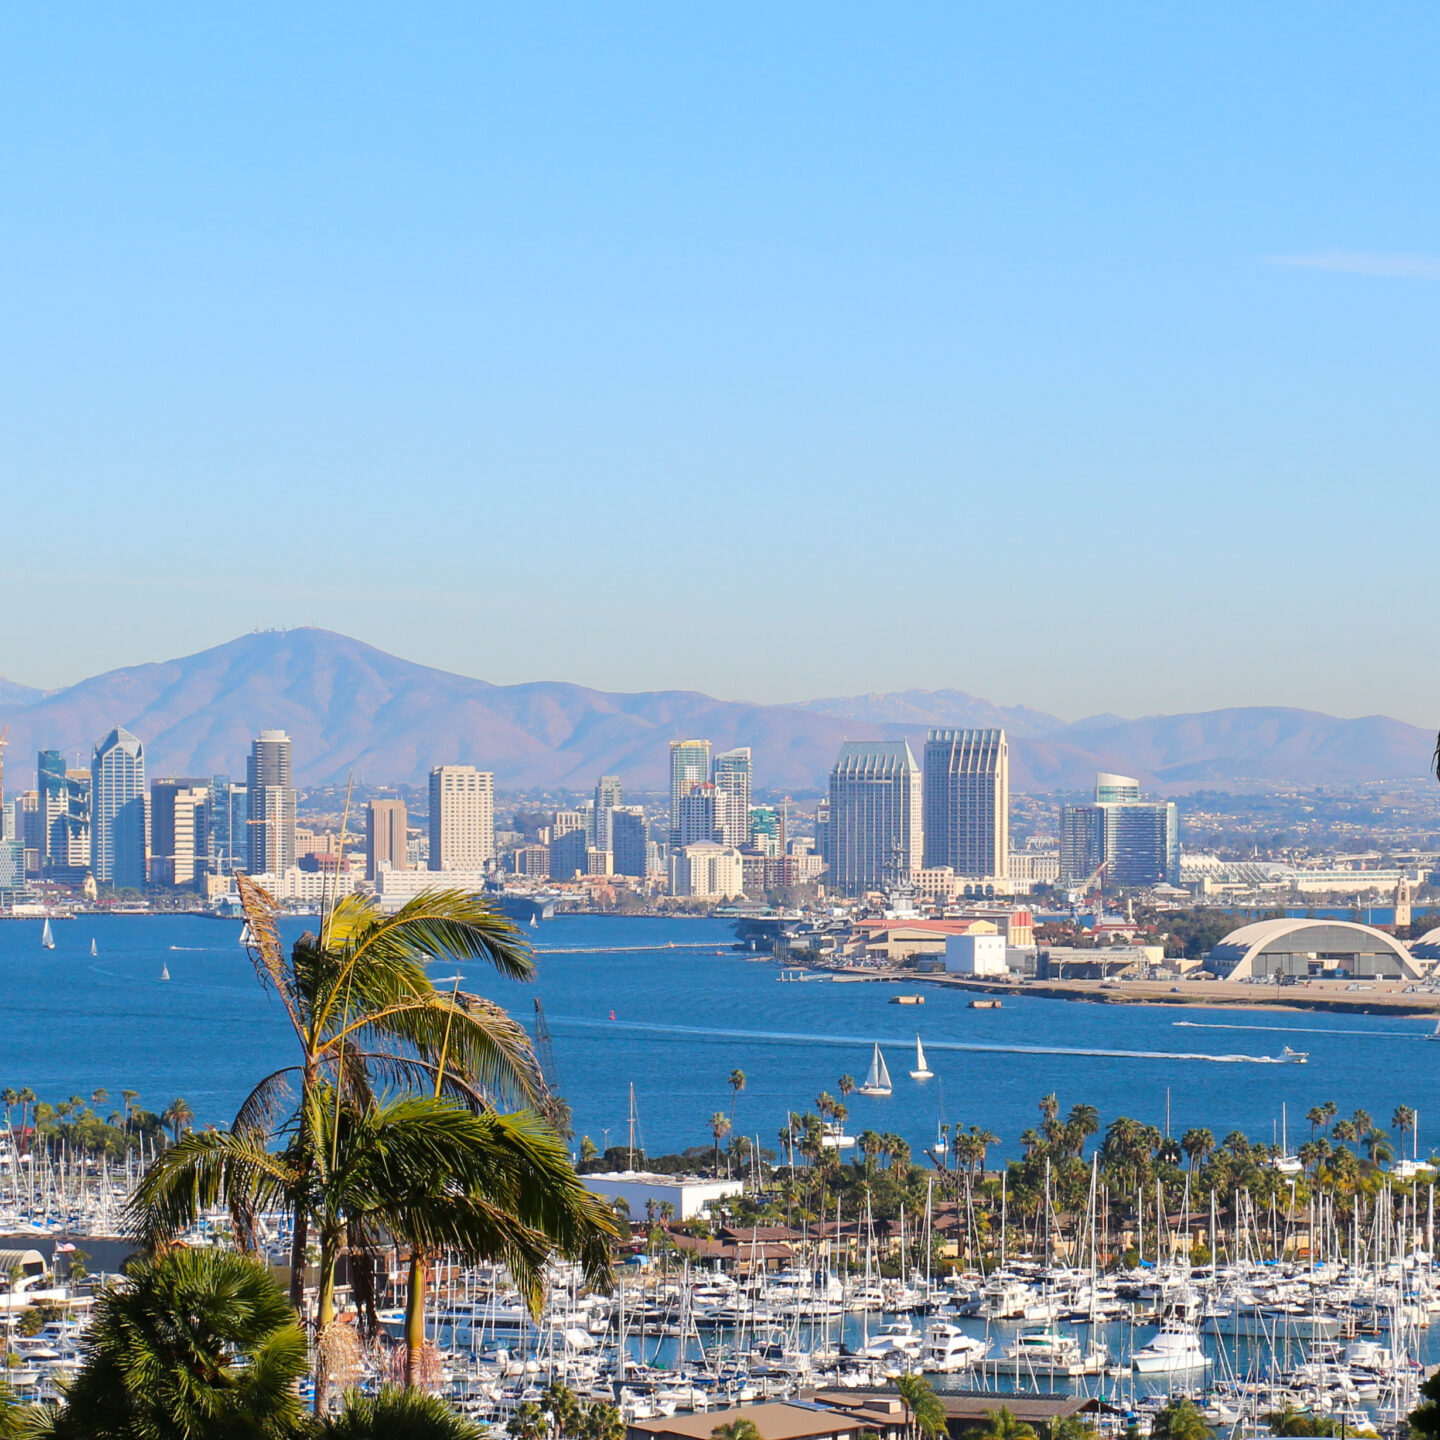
point(1294, 1057)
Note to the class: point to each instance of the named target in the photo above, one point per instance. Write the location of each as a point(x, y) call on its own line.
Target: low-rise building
point(977, 953)
point(687, 1195)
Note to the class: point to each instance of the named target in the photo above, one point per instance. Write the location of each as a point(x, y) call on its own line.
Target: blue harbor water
point(626, 1009)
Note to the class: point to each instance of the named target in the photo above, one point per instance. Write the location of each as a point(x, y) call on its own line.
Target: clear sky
point(1081, 356)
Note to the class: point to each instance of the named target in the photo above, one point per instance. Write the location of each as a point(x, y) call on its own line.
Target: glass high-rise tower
point(272, 804)
point(967, 801)
point(119, 829)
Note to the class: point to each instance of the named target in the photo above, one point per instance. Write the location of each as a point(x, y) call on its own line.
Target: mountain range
point(352, 708)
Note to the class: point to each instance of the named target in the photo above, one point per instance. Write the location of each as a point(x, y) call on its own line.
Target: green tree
point(396, 1414)
point(737, 1084)
point(1179, 1420)
point(719, 1128)
point(1002, 1424)
point(197, 1343)
point(364, 1011)
point(427, 1171)
point(1197, 1144)
point(742, 1427)
point(924, 1410)
point(179, 1117)
point(562, 1405)
point(1425, 1418)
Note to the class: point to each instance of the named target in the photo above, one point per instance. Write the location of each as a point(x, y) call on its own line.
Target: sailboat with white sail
point(93, 949)
point(922, 1071)
point(164, 971)
point(877, 1082)
point(47, 936)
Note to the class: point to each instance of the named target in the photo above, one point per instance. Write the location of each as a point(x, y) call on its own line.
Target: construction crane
point(555, 1108)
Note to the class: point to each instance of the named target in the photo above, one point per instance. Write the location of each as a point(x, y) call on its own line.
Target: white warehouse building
point(976, 955)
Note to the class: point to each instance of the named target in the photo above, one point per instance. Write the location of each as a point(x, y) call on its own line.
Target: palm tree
point(160, 1357)
point(528, 1422)
point(27, 1099)
point(128, 1099)
point(924, 1411)
point(1378, 1147)
point(10, 1098)
point(1404, 1121)
point(99, 1097)
point(869, 1143)
point(1316, 1116)
point(1345, 1131)
point(363, 1009)
point(1001, 1424)
point(980, 1142)
point(1361, 1121)
point(178, 1116)
point(562, 1405)
point(1329, 1110)
point(1179, 1420)
point(737, 1084)
point(846, 1086)
point(1197, 1144)
point(427, 1171)
point(395, 1414)
point(742, 1427)
point(719, 1128)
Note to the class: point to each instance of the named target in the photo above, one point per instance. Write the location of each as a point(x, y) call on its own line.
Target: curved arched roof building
point(1427, 947)
point(1311, 949)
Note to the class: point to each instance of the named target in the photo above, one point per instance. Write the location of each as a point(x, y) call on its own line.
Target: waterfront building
point(698, 819)
point(689, 766)
point(1136, 841)
point(119, 828)
point(227, 825)
point(707, 871)
point(12, 865)
point(271, 795)
point(976, 953)
point(387, 836)
point(874, 831)
point(177, 830)
point(628, 840)
point(687, 1195)
point(1297, 949)
point(967, 801)
point(462, 818)
point(569, 854)
point(731, 777)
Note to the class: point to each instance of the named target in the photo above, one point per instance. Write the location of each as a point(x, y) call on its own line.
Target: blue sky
point(1076, 356)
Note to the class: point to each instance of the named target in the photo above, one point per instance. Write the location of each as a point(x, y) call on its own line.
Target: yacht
point(896, 1340)
point(1044, 1351)
point(1174, 1347)
point(948, 1348)
point(877, 1082)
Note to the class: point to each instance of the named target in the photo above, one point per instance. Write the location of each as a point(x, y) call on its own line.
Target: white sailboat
point(93, 950)
point(922, 1071)
point(877, 1082)
point(164, 971)
point(1435, 1033)
point(47, 937)
point(533, 922)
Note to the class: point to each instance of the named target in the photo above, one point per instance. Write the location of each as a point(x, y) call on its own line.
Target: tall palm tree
point(1197, 1144)
point(742, 1427)
point(26, 1099)
point(1403, 1120)
point(719, 1128)
point(363, 1011)
point(198, 1343)
point(846, 1086)
point(737, 1084)
point(428, 1171)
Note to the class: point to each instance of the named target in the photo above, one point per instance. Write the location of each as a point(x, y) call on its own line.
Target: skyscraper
point(689, 766)
point(874, 831)
point(272, 804)
point(967, 801)
point(177, 830)
point(63, 797)
point(608, 794)
point(1137, 841)
point(698, 822)
point(386, 836)
point(627, 840)
point(227, 820)
point(119, 832)
point(732, 796)
point(462, 817)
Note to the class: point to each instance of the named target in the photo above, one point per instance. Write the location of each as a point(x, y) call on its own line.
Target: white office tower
point(119, 823)
point(874, 833)
point(608, 797)
point(731, 777)
point(462, 818)
point(689, 767)
point(967, 802)
point(272, 804)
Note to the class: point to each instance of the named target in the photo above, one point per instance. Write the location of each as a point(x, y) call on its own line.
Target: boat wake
point(1300, 1029)
point(788, 1037)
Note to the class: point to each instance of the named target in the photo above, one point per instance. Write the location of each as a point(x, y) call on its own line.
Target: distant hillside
point(351, 707)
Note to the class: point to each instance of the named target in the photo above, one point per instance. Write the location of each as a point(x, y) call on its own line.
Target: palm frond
point(260, 1111)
